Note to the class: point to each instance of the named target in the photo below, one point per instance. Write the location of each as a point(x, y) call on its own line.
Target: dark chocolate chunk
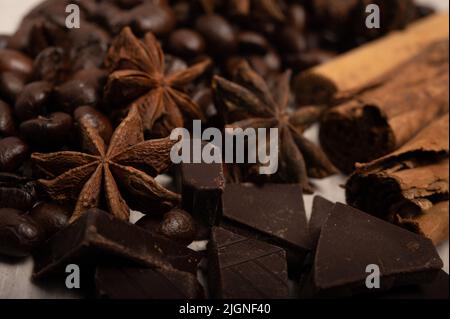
point(351, 240)
point(202, 186)
point(321, 209)
point(97, 235)
point(437, 289)
point(273, 212)
point(244, 268)
point(140, 283)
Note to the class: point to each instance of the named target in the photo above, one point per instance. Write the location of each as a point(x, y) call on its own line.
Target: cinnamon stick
point(384, 118)
point(410, 186)
point(364, 67)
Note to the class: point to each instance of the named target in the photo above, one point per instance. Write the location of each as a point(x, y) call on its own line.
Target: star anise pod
point(250, 103)
point(119, 176)
point(139, 76)
point(270, 8)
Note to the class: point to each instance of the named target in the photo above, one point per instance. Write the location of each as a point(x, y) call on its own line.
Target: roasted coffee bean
point(13, 151)
point(50, 217)
point(82, 89)
point(252, 42)
point(149, 17)
point(7, 125)
point(88, 35)
point(296, 16)
point(4, 40)
point(48, 132)
point(218, 33)
point(176, 224)
point(127, 4)
point(11, 84)
point(15, 61)
point(292, 41)
point(33, 100)
point(186, 43)
point(308, 59)
point(50, 65)
point(89, 57)
point(96, 119)
point(16, 192)
point(19, 234)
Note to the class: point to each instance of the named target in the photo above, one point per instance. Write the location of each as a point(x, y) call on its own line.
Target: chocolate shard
point(351, 240)
point(437, 289)
point(98, 237)
point(252, 211)
point(321, 209)
point(142, 283)
point(244, 268)
point(202, 185)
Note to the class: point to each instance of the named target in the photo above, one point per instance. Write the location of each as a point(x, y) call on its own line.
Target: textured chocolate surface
point(273, 212)
point(241, 267)
point(141, 283)
point(351, 240)
point(320, 211)
point(202, 185)
point(98, 236)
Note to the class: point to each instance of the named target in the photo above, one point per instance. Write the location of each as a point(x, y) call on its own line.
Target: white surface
point(14, 277)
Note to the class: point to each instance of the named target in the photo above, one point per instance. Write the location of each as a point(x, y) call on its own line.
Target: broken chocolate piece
point(351, 240)
point(321, 209)
point(141, 283)
point(202, 186)
point(437, 289)
point(98, 236)
point(252, 211)
point(244, 268)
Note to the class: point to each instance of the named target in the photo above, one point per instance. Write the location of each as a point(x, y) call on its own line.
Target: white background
point(14, 276)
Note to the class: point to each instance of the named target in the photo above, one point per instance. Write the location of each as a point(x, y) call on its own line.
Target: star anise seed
point(250, 103)
point(139, 76)
point(118, 176)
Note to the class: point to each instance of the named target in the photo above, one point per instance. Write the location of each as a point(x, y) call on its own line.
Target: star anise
point(270, 8)
point(116, 177)
point(250, 103)
point(138, 73)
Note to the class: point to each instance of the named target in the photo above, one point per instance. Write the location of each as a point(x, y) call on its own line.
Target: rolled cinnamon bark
point(382, 119)
point(364, 67)
point(410, 186)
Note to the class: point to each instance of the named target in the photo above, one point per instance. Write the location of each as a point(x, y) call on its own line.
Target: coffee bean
point(96, 119)
point(7, 125)
point(218, 33)
point(305, 60)
point(186, 43)
point(15, 61)
point(11, 84)
point(4, 40)
point(291, 40)
point(176, 224)
point(13, 151)
point(48, 132)
point(127, 4)
point(252, 42)
point(50, 65)
point(16, 192)
point(50, 217)
point(296, 16)
point(149, 17)
point(83, 89)
point(33, 100)
point(19, 234)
